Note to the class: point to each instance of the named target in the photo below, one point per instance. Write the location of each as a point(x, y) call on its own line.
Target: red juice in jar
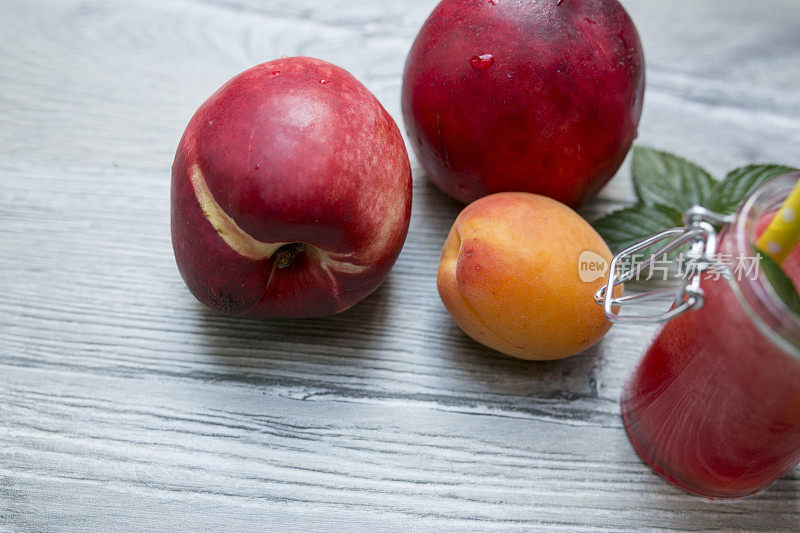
point(714, 404)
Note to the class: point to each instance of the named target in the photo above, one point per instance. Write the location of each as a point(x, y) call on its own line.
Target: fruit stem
point(286, 253)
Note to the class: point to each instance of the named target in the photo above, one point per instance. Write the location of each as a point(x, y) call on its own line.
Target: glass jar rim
point(757, 296)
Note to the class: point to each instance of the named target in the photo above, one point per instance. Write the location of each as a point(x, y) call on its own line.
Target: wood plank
point(89, 442)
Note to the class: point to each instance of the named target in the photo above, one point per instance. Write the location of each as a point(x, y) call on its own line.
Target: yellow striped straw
point(783, 233)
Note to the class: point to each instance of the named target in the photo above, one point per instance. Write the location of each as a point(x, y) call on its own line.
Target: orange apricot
point(510, 276)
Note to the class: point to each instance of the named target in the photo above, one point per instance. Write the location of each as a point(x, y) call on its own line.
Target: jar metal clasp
point(700, 233)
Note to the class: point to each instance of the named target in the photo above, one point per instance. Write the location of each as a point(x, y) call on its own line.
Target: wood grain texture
point(126, 405)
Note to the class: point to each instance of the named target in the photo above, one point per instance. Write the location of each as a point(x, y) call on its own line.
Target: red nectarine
point(540, 96)
point(291, 192)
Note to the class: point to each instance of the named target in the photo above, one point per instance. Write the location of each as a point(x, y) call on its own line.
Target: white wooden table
point(124, 404)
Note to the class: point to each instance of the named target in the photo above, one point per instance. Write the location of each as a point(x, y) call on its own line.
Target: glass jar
point(714, 404)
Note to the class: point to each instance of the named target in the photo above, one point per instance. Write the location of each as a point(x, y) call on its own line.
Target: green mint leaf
point(731, 191)
point(661, 178)
point(628, 226)
point(782, 284)
point(668, 185)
